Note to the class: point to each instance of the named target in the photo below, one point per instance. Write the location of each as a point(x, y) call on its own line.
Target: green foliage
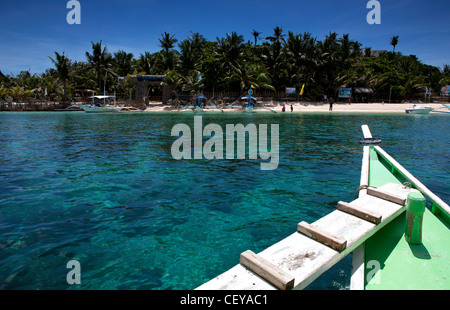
point(282, 59)
point(101, 62)
point(3, 92)
point(63, 67)
point(167, 42)
point(394, 42)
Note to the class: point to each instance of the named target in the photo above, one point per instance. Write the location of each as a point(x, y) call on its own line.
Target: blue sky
point(32, 30)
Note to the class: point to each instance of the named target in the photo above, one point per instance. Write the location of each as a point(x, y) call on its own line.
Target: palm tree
point(168, 60)
point(445, 69)
point(174, 80)
point(3, 92)
point(123, 63)
point(167, 42)
point(151, 63)
point(300, 51)
point(277, 34)
point(274, 57)
point(256, 35)
point(63, 66)
point(329, 52)
point(250, 74)
point(167, 55)
point(187, 61)
point(394, 42)
point(233, 45)
point(100, 62)
point(413, 86)
point(229, 52)
point(20, 93)
point(197, 40)
point(192, 82)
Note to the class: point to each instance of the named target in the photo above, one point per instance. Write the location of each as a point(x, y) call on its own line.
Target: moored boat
point(416, 109)
point(97, 107)
point(126, 109)
point(72, 108)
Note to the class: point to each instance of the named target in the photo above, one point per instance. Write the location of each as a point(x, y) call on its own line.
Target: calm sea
point(105, 190)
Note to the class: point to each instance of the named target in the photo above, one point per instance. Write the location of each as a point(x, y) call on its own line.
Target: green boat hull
point(391, 263)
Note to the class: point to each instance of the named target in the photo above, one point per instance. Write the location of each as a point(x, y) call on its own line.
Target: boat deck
point(373, 226)
point(410, 267)
point(403, 265)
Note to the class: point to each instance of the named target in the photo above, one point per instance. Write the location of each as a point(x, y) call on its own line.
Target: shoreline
point(313, 108)
point(298, 107)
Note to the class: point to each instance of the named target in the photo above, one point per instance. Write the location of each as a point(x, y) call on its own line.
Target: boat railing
point(438, 205)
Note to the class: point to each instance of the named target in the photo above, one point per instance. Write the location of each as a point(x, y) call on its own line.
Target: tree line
point(229, 63)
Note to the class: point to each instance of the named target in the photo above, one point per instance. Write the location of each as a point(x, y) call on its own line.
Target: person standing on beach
point(292, 108)
point(331, 104)
point(284, 108)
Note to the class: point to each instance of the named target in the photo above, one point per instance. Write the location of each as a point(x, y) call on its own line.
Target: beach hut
point(144, 82)
point(361, 94)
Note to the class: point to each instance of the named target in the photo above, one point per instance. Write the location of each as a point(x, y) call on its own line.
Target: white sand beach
point(316, 107)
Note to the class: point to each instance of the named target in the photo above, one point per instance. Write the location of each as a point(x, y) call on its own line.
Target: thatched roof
point(361, 90)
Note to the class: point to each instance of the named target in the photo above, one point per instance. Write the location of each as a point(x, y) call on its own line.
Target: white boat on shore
point(416, 109)
point(124, 109)
point(71, 108)
point(95, 107)
point(98, 108)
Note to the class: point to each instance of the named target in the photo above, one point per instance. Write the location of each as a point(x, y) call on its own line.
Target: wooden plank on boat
point(298, 254)
point(359, 212)
point(386, 196)
point(322, 236)
point(345, 226)
point(381, 206)
point(237, 278)
point(305, 258)
point(266, 270)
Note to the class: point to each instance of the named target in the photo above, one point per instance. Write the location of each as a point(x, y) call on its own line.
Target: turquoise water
point(104, 190)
